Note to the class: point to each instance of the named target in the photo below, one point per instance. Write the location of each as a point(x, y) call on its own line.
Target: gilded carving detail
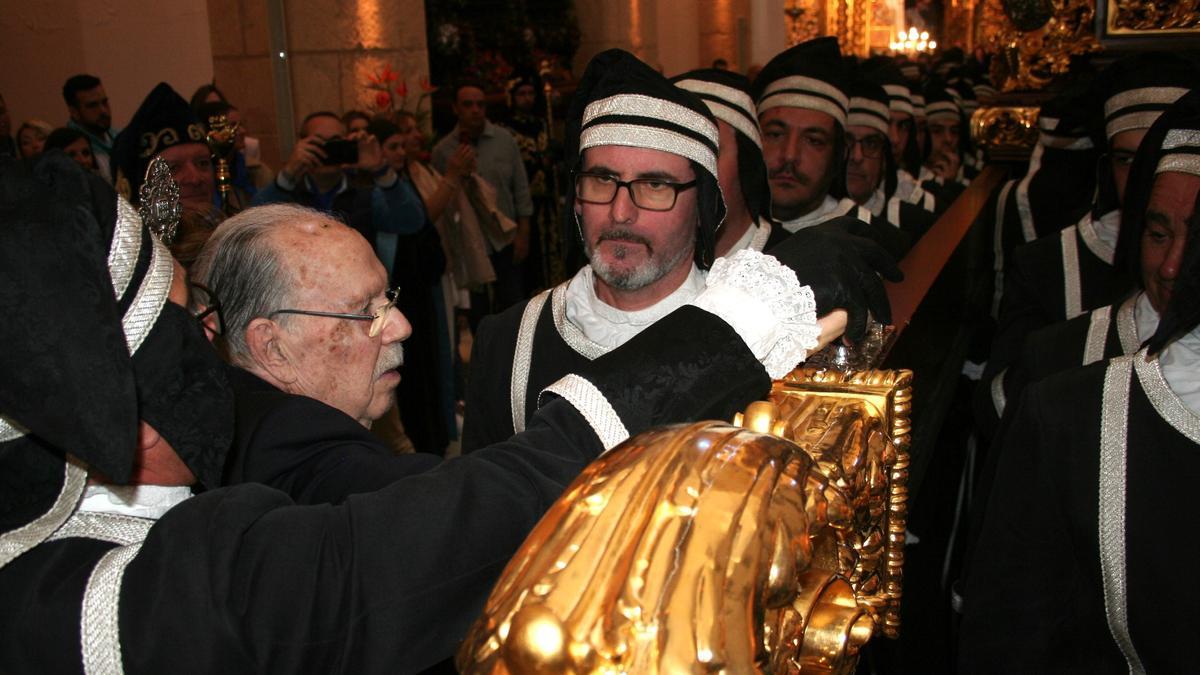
point(1005, 127)
point(1143, 15)
point(774, 545)
point(1030, 60)
point(805, 19)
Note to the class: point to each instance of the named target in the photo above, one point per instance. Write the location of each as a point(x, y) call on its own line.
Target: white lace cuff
point(766, 305)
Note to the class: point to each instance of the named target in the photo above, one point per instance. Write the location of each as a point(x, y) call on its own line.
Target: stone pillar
point(333, 47)
point(626, 24)
point(242, 68)
point(719, 32)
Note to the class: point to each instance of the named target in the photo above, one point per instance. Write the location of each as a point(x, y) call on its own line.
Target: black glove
point(843, 270)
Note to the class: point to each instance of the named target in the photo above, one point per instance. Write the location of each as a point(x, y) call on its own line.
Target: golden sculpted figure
point(774, 544)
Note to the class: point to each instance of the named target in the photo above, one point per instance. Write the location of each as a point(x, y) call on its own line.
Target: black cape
point(242, 580)
point(1034, 599)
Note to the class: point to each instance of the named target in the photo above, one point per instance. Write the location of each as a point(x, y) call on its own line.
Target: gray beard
point(639, 277)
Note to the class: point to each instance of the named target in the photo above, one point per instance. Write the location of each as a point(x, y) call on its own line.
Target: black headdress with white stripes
point(810, 75)
point(727, 95)
point(622, 101)
point(1140, 87)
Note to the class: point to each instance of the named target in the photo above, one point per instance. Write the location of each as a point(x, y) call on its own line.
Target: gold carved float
point(773, 544)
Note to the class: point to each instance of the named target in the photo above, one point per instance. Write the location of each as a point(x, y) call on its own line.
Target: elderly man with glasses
point(308, 322)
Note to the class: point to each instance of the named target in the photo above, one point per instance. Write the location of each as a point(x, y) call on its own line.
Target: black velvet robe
point(1034, 599)
point(241, 580)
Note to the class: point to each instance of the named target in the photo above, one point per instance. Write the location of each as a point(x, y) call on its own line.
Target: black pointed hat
point(1137, 89)
point(622, 101)
point(92, 344)
point(163, 120)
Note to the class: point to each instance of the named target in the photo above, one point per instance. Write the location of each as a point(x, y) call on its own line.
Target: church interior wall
point(46, 42)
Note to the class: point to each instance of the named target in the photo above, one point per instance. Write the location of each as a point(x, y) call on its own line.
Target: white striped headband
point(899, 98)
point(1138, 108)
point(865, 112)
point(1181, 152)
point(641, 121)
point(942, 109)
point(728, 104)
point(799, 91)
point(918, 105)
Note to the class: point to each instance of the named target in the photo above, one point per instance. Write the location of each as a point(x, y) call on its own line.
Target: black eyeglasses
point(652, 194)
point(378, 317)
point(202, 296)
point(872, 145)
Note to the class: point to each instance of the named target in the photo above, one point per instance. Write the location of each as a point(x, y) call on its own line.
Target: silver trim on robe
point(100, 627)
point(595, 408)
point(1097, 335)
point(523, 358)
point(1073, 297)
point(15, 542)
point(1114, 427)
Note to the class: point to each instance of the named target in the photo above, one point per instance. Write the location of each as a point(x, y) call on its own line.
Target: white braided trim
point(1143, 119)
point(1072, 293)
point(150, 298)
point(126, 244)
point(735, 106)
point(940, 109)
point(595, 408)
point(15, 542)
point(638, 136)
point(731, 117)
point(793, 100)
point(649, 106)
point(10, 430)
point(110, 527)
point(1179, 162)
point(1114, 428)
point(523, 358)
point(1097, 335)
point(100, 629)
point(764, 303)
point(805, 83)
point(1162, 96)
point(999, 398)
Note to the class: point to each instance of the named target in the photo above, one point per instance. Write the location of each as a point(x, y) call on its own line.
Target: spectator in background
point(87, 104)
point(498, 162)
point(165, 126)
point(75, 144)
point(356, 120)
point(31, 137)
point(7, 147)
point(415, 262)
point(206, 93)
point(246, 178)
point(527, 121)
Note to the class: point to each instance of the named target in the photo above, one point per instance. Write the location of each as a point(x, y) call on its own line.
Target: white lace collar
point(1144, 317)
point(142, 501)
point(1180, 363)
point(611, 327)
point(814, 217)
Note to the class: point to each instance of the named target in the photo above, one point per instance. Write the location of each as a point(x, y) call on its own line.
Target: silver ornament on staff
point(159, 201)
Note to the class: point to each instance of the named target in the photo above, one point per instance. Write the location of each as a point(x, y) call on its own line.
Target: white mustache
point(390, 357)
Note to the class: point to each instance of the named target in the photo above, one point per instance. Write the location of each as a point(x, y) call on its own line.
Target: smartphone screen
point(340, 151)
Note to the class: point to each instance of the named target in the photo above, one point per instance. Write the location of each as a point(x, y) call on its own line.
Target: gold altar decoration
point(1029, 60)
point(221, 140)
point(1004, 130)
point(775, 544)
point(1152, 17)
point(805, 20)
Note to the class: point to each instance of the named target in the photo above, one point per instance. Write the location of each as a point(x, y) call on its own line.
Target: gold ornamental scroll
point(771, 545)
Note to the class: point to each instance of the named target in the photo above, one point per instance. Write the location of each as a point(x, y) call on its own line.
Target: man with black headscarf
point(802, 101)
point(107, 563)
point(647, 205)
point(1079, 563)
point(871, 176)
point(740, 166)
point(1061, 276)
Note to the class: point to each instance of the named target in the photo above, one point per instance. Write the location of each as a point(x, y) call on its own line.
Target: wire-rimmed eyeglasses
point(377, 317)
